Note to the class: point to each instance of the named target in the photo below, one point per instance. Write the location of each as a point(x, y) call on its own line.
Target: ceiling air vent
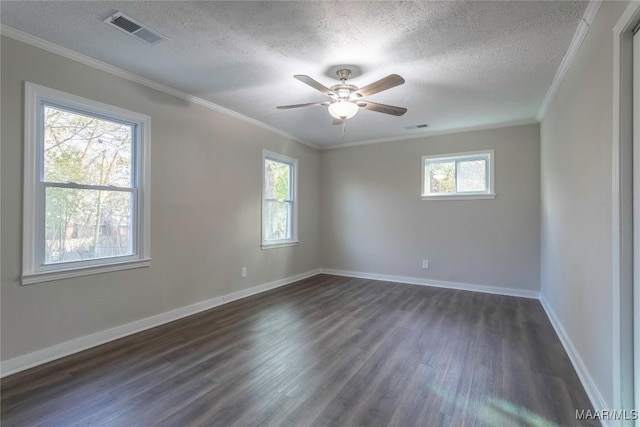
point(417, 127)
point(130, 26)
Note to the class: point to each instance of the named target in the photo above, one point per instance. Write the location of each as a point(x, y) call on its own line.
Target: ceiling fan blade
point(337, 122)
point(383, 108)
point(314, 84)
point(385, 83)
point(309, 104)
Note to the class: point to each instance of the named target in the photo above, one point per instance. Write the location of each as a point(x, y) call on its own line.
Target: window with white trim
point(86, 198)
point(279, 205)
point(458, 176)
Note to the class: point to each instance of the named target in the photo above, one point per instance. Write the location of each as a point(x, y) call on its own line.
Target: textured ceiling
point(465, 64)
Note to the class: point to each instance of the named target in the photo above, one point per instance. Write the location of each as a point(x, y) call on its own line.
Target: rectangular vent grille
point(125, 24)
point(417, 127)
point(130, 26)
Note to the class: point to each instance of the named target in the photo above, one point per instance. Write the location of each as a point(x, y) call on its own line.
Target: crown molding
point(136, 78)
point(428, 134)
point(583, 28)
point(29, 39)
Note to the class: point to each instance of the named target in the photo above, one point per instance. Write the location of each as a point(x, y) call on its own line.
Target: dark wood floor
point(326, 351)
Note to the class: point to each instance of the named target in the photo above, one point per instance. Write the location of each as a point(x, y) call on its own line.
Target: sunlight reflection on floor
point(494, 411)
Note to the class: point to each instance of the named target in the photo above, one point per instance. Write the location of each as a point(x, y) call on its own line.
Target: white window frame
point(487, 155)
point(34, 270)
point(268, 244)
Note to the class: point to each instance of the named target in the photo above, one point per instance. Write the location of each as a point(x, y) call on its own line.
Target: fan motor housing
point(344, 90)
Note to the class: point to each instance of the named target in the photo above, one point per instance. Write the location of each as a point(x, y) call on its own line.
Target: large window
point(458, 176)
point(279, 206)
point(85, 189)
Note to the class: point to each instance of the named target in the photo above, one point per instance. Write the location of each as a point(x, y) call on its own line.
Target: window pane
point(277, 177)
point(87, 224)
point(86, 150)
point(277, 220)
point(472, 175)
point(442, 177)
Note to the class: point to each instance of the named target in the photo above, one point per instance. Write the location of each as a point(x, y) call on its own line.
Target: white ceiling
point(466, 64)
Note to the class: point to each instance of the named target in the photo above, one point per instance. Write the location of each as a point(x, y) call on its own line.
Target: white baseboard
point(39, 357)
point(30, 360)
point(583, 374)
point(435, 283)
point(585, 378)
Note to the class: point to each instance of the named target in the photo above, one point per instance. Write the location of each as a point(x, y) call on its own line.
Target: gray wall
point(373, 220)
point(576, 221)
point(205, 210)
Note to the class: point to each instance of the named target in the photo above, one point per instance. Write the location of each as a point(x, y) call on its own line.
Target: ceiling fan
point(346, 99)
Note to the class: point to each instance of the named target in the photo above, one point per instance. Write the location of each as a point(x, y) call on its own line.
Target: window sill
point(280, 245)
point(47, 276)
point(461, 197)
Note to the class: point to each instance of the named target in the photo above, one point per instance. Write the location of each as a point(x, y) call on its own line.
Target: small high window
point(458, 176)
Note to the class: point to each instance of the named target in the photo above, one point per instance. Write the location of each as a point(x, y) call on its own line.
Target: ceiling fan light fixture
point(343, 109)
point(346, 98)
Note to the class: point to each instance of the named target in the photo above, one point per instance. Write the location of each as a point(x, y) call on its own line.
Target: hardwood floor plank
point(325, 351)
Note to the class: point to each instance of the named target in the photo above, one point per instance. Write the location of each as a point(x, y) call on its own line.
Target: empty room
point(319, 213)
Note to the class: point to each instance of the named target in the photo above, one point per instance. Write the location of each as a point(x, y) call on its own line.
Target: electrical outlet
point(425, 263)
point(244, 271)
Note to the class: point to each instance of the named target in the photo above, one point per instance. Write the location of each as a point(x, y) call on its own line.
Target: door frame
point(624, 239)
point(636, 218)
